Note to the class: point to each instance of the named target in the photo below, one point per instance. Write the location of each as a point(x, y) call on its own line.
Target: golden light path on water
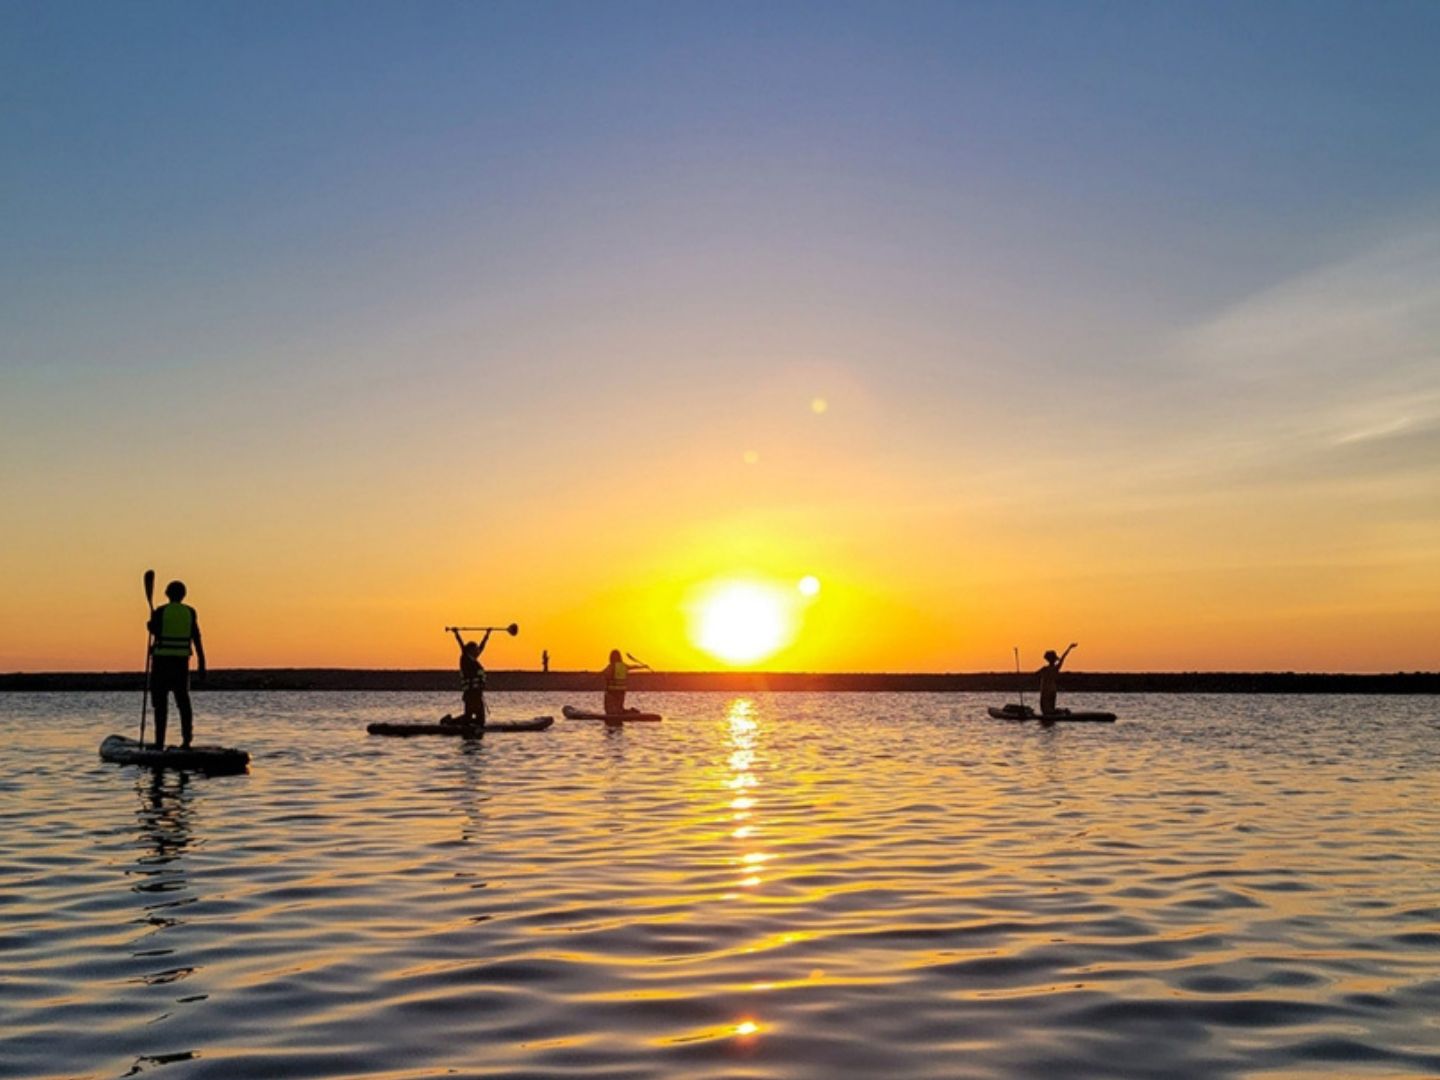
point(741, 785)
point(743, 735)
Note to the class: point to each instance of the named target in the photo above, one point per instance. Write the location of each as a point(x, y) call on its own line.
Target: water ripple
point(782, 886)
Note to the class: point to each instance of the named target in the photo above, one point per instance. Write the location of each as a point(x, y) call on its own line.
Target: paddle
point(149, 642)
point(512, 629)
point(637, 661)
point(1019, 678)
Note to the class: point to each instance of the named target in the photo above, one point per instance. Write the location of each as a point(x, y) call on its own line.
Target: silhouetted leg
point(475, 707)
point(182, 700)
point(160, 702)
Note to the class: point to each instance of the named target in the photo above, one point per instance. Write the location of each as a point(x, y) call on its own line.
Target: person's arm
point(1063, 655)
point(458, 639)
point(199, 645)
point(153, 625)
point(484, 640)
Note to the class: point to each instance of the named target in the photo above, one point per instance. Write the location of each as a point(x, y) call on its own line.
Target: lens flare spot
point(809, 585)
point(819, 406)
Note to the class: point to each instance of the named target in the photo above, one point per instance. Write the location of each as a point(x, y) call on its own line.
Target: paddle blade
point(513, 629)
point(150, 587)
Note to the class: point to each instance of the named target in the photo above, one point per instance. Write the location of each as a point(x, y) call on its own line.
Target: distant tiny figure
point(615, 681)
point(1049, 676)
point(175, 629)
point(545, 661)
point(472, 679)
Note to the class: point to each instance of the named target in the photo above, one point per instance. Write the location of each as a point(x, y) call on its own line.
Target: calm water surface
point(775, 886)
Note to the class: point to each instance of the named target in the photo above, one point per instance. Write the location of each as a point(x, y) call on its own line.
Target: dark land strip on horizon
point(1112, 682)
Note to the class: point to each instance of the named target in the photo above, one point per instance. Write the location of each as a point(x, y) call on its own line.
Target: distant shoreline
point(580, 682)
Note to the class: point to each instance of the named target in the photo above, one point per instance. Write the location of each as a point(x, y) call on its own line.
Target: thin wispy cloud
point(1354, 347)
point(1308, 373)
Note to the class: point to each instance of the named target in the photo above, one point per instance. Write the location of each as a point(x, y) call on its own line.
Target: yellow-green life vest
point(177, 622)
point(615, 676)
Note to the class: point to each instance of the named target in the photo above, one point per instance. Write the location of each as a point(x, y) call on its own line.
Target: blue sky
point(1240, 134)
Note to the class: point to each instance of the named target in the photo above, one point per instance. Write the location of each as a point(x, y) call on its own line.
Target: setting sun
point(741, 622)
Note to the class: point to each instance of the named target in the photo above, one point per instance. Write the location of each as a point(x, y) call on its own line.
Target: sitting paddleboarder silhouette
point(1049, 679)
point(616, 672)
point(472, 679)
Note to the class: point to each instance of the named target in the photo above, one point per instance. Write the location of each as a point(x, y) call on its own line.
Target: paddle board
point(1024, 712)
point(450, 726)
point(630, 716)
point(211, 759)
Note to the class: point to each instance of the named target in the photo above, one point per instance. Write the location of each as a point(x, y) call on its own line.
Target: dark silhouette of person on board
point(1049, 680)
point(175, 630)
point(472, 680)
point(616, 673)
point(545, 661)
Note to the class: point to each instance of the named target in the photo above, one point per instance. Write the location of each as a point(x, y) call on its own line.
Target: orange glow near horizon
point(819, 556)
point(674, 603)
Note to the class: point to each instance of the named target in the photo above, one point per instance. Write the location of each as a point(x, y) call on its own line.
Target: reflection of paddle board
point(211, 759)
point(450, 726)
point(1024, 712)
point(629, 716)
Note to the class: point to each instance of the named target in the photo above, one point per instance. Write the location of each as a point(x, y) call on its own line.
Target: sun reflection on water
point(742, 733)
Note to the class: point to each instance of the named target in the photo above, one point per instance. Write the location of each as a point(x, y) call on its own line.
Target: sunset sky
point(1007, 323)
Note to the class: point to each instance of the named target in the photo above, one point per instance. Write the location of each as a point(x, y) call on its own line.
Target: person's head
point(175, 591)
point(614, 656)
point(1051, 655)
point(472, 648)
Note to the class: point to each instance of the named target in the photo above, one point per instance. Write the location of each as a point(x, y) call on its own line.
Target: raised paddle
point(149, 641)
point(636, 660)
point(512, 629)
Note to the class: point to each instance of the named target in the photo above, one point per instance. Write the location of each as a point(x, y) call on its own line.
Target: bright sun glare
point(741, 622)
